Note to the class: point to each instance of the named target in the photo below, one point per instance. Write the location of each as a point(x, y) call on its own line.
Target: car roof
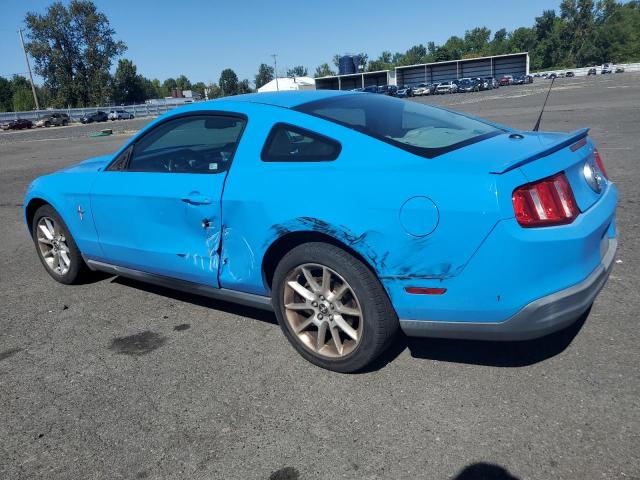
point(288, 99)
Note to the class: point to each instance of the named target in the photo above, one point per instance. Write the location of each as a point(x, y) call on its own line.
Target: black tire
point(380, 322)
point(78, 269)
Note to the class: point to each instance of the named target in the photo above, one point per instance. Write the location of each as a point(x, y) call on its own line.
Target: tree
point(128, 87)
point(213, 91)
point(6, 103)
point(168, 86)
point(244, 87)
point(73, 48)
point(265, 75)
point(228, 82)
point(323, 71)
point(183, 83)
point(297, 71)
point(199, 87)
point(21, 94)
point(476, 40)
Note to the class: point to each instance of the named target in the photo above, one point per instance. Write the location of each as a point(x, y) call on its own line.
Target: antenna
point(535, 129)
point(275, 69)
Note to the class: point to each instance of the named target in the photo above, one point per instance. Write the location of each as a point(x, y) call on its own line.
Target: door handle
point(196, 199)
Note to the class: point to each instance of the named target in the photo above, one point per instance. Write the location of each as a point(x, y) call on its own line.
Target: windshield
point(412, 126)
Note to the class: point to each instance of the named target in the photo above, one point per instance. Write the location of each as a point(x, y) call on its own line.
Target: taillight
point(544, 203)
point(596, 154)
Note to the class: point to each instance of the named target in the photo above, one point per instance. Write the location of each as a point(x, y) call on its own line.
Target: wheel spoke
point(337, 295)
point(335, 335)
point(345, 327)
point(45, 230)
point(50, 227)
point(298, 306)
point(326, 280)
point(354, 312)
point(312, 281)
point(303, 292)
point(44, 240)
point(322, 336)
point(65, 258)
point(304, 324)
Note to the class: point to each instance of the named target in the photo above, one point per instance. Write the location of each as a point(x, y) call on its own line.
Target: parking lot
point(117, 379)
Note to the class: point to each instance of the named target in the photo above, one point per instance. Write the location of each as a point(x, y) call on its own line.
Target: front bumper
point(540, 317)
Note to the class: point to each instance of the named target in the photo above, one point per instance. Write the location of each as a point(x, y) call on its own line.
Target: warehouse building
point(494, 66)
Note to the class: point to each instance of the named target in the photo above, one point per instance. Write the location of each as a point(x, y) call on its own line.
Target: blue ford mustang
point(350, 215)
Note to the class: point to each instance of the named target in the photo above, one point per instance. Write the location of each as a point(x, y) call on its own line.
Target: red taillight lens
point(544, 203)
point(596, 155)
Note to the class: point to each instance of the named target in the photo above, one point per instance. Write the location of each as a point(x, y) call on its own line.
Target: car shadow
point(474, 352)
point(202, 301)
point(496, 354)
point(484, 471)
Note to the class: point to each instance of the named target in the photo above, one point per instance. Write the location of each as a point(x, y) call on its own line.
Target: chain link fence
point(151, 109)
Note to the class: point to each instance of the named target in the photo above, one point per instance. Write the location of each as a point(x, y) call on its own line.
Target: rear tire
point(341, 322)
point(56, 248)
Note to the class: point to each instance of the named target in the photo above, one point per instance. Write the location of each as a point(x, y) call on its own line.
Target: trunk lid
point(538, 155)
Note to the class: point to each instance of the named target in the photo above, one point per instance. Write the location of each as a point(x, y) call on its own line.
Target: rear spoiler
point(570, 139)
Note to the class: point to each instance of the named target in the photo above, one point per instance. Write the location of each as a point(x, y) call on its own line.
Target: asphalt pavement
point(116, 379)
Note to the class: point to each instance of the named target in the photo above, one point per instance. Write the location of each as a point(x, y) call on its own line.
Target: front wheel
point(332, 308)
point(56, 247)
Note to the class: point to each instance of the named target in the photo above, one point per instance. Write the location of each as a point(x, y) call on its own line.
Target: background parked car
point(592, 71)
point(446, 87)
point(619, 69)
point(422, 89)
point(506, 80)
point(53, 119)
point(606, 68)
point(468, 85)
point(17, 124)
point(120, 115)
point(371, 89)
point(552, 76)
point(390, 90)
point(98, 116)
point(405, 91)
point(518, 80)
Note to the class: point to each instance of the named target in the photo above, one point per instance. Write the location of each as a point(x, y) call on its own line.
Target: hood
point(94, 164)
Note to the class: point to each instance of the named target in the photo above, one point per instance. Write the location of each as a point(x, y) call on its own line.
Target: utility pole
point(26, 57)
point(275, 70)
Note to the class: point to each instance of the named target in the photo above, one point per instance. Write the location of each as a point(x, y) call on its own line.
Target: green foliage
point(128, 87)
point(229, 82)
point(244, 87)
point(323, 71)
point(6, 95)
point(73, 47)
point(584, 33)
point(265, 75)
point(297, 71)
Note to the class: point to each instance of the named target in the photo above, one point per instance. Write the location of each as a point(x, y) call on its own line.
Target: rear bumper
point(538, 318)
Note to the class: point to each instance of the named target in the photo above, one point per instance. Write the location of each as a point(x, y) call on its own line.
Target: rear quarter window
point(288, 143)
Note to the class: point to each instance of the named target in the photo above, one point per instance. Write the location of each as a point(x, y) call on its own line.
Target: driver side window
point(192, 144)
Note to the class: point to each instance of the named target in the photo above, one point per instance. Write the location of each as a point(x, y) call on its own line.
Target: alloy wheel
point(52, 246)
point(322, 310)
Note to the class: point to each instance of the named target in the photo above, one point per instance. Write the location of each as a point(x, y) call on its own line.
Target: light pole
point(33, 88)
point(275, 70)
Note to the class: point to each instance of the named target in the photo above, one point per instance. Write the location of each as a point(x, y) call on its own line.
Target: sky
point(200, 38)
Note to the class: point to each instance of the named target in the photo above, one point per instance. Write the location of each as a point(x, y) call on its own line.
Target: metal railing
point(151, 109)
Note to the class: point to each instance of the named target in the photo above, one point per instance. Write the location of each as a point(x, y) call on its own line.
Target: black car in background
point(405, 91)
point(17, 124)
point(98, 116)
point(390, 90)
point(468, 85)
point(570, 74)
point(371, 89)
point(592, 71)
